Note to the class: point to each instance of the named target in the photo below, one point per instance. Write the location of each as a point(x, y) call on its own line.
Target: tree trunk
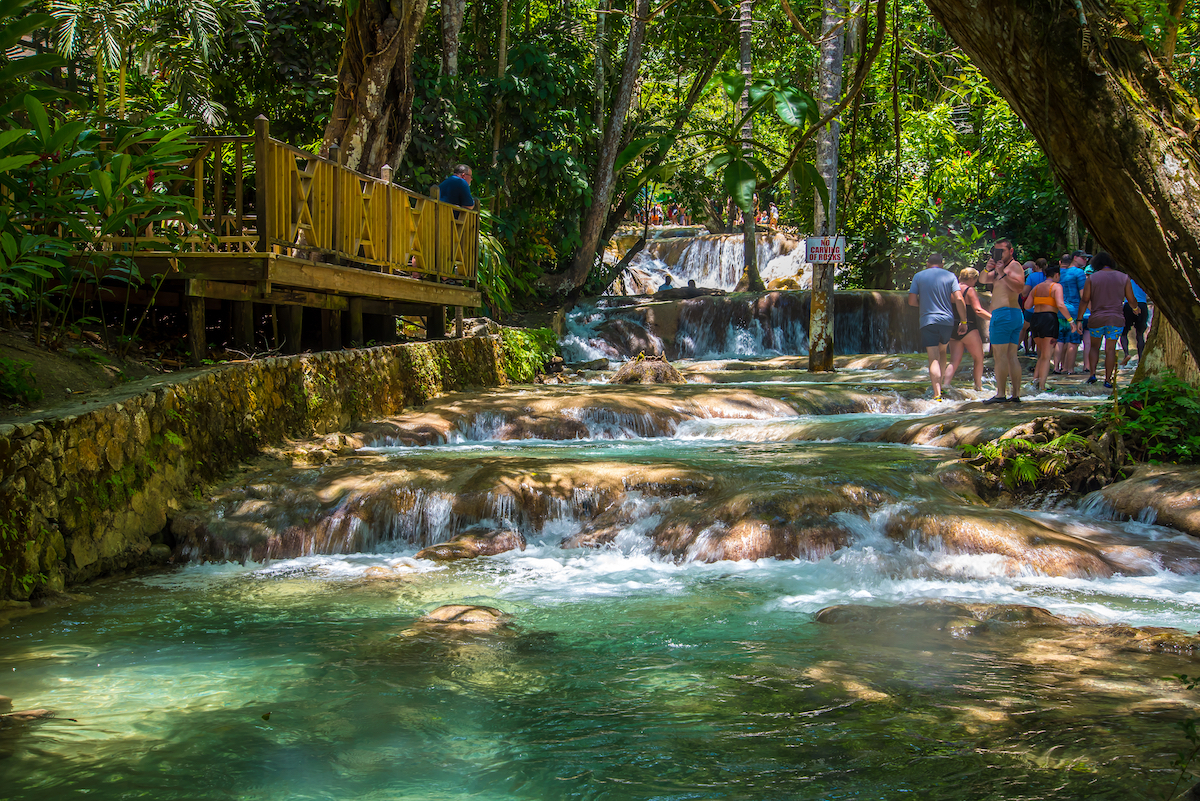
point(820, 321)
point(602, 186)
point(598, 70)
point(1118, 130)
point(372, 112)
point(1165, 353)
point(453, 12)
point(751, 280)
point(501, 67)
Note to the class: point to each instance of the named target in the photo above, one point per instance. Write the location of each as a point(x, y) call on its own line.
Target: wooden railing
point(298, 204)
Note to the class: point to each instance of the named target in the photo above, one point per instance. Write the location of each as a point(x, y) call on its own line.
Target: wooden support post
point(435, 323)
point(356, 323)
point(262, 199)
point(331, 329)
point(335, 231)
point(242, 312)
point(385, 174)
point(293, 328)
point(197, 338)
point(458, 323)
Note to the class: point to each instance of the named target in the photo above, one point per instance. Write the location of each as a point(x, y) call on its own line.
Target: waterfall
point(715, 261)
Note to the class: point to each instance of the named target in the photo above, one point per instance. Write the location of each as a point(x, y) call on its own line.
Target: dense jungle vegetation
point(930, 155)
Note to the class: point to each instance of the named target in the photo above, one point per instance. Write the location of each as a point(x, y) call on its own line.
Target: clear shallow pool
point(623, 674)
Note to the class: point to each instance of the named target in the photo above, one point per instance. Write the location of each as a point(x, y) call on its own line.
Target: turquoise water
point(622, 674)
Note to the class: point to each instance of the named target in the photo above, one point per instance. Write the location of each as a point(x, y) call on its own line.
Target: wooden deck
point(279, 230)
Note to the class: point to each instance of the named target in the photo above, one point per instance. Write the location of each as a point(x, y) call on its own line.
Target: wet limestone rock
point(470, 546)
point(648, 370)
point(957, 619)
point(1172, 492)
point(1023, 543)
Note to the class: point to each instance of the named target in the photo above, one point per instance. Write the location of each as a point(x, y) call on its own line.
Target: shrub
point(525, 351)
point(1159, 420)
point(17, 382)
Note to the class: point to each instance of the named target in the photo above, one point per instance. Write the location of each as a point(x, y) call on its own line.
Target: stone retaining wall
point(90, 494)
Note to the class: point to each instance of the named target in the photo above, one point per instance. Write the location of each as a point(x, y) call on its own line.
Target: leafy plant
point(1158, 418)
point(17, 382)
point(525, 351)
point(1020, 461)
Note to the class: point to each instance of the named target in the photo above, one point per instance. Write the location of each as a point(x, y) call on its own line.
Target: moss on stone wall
point(87, 495)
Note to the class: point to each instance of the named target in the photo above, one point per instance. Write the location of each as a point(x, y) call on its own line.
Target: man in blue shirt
point(936, 293)
point(1071, 278)
point(456, 189)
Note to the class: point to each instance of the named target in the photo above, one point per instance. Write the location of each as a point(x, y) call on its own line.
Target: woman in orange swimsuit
point(1046, 303)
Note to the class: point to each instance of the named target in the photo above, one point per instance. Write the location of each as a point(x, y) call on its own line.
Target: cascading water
point(716, 261)
point(745, 325)
point(665, 636)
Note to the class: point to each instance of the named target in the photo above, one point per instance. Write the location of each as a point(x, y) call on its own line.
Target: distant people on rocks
point(1103, 293)
point(970, 341)
point(1045, 303)
point(666, 284)
point(456, 188)
point(1007, 278)
point(1034, 275)
point(936, 293)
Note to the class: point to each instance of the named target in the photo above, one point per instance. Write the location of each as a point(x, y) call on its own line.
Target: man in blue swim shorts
point(1007, 279)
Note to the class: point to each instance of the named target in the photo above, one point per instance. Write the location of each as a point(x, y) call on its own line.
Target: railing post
point(262, 202)
point(385, 175)
point(434, 192)
point(335, 222)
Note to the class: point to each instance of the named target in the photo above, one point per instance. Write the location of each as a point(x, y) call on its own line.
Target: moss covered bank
point(85, 495)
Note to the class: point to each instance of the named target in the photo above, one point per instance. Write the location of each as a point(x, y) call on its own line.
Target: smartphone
point(997, 254)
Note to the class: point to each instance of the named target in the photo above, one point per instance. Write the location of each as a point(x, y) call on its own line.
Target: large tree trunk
point(820, 321)
point(1165, 353)
point(372, 113)
point(1118, 130)
point(602, 186)
point(453, 12)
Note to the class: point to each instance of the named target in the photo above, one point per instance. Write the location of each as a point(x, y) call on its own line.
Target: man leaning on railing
point(456, 189)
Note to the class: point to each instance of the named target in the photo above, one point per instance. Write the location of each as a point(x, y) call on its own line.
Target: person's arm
point(972, 297)
point(1015, 282)
point(1085, 297)
point(913, 299)
point(961, 305)
point(1057, 293)
point(1129, 296)
point(1027, 302)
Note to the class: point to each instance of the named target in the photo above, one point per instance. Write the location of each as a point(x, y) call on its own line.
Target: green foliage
point(525, 351)
point(17, 382)
point(1159, 419)
point(1020, 462)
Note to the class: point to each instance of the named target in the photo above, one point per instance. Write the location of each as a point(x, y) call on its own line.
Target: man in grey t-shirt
point(936, 293)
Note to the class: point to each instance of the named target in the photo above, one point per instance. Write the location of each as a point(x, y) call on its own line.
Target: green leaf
point(634, 149)
point(794, 106)
point(740, 180)
point(8, 137)
point(807, 177)
point(13, 162)
point(37, 114)
point(734, 83)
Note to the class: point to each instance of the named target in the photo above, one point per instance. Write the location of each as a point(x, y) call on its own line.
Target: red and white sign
point(825, 250)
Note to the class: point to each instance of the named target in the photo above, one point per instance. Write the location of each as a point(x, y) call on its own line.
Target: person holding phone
point(1007, 278)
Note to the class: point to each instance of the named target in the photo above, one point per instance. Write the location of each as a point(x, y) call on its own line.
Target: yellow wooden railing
point(314, 208)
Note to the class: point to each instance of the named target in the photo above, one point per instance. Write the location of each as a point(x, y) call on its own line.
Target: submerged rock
point(1171, 492)
point(648, 371)
point(460, 618)
point(947, 616)
point(469, 546)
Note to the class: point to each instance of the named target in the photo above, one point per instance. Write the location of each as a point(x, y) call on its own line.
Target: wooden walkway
point(280, 230)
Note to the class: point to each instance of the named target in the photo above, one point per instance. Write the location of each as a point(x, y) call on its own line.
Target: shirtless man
point(1008, 280)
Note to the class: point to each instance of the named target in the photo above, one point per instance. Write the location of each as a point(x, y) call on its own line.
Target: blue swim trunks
point(1006, 326)
point(1065, 334)
point(1112, 332)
